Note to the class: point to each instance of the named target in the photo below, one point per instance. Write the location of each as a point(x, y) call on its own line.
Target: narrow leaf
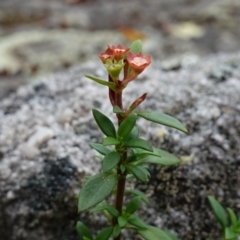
point(102, 82)
point(171, 235)
point(83, 231)
point(103, 208)
point(233, 218)
point(133, 134)
point(138, 172)
point(133, 205)
point(97, 209)
point(218, 211)
point(110, 161)
point(140, 194)
point(164, 158)
point(104, 123)
point(117, 109)
point(122, 168)
point(136, 221)
point(139, 143)
point(110, 141)
point(229, 234)
point(122, 221)
point(136, 46)
point(105, 234)
point(96, 189)
point(126, 126)
point(100, 148)
point(145, 170)
point(152, 233)
point(162, 119)
point(112, 210)
point(131, 159)
point(116, 231)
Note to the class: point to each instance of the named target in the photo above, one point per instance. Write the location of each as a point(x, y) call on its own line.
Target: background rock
point(39, 37)
point(39, 189)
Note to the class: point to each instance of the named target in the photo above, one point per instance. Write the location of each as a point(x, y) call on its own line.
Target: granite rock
point(51, 121)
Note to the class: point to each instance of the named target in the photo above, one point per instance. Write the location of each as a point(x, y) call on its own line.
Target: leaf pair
point(146, 231)
point(85, 234)
point(127, 125)
point(230, 233)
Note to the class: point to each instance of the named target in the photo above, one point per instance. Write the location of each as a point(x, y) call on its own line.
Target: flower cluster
point(115, 58)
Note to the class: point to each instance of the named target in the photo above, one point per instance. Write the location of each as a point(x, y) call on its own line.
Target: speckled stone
point(38, 192)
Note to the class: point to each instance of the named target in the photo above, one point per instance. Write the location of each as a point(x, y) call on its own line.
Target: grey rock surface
point(39, 37)
point(45, 129)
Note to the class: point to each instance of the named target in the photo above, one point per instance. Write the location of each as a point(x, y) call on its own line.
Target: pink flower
point(108, 54)
point(119, 51)
point(138, 62)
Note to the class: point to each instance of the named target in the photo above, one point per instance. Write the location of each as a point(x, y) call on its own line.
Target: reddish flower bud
point(108, 54)
point(138, 62)
point(119, 51)
point(136, 103)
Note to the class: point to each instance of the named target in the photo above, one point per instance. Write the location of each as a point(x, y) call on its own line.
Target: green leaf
point(161, 157)
point(145, 170)
point(110, 161)
point(138, 172)
point(96, 189)
point(138, 143)
point(105, 234)
point(136, 46)
point(140, 194)
point(112, 210)
point(100, 148)
point(104, 123)
point(233, 218)
point(126, 126)
point(131, 159)
point(229, 234)
point(116, 231)
point(102, 82)
point(137, 222)
point(153, 233)
point(237, 229)
point(218, 211)
point(162, 119)
point(133, 205)
point(133, 134)
point(122, 168)
point(122, 221)
point(110, 141)
point(171, 235)
point(98, 208)
point(83, 231)
point(117, 109)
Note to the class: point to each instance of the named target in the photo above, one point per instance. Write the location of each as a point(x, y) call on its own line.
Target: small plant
point(124, 154)
point(229, 231)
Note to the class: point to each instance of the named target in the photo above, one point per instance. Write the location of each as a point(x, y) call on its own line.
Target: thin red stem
point(121, 176)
